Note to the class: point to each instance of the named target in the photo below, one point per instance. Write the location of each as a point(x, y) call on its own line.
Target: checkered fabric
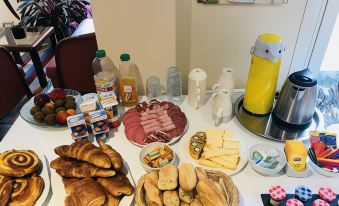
point(320, 202)
point(294, 202)
point(327, 194)
point(277, 193)
point(303, 193)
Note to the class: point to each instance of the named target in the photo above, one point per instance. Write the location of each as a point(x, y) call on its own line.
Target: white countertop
point(251, 184)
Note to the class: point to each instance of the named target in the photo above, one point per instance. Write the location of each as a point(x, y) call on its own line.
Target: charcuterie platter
point(154, 121)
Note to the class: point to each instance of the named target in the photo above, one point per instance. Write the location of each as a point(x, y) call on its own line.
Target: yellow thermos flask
point(263, 75)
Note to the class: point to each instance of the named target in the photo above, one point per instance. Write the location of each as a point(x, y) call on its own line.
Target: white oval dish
point(265, 171)
point(147, 149)
point(322, 171)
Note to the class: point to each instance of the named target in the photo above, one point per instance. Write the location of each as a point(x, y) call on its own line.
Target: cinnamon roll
point(5, 189)
point(26, 191)
point(18, 163)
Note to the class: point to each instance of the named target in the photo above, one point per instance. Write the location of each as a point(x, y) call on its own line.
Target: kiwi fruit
point(35, 109)
point(69, 99)
point(59, 103)
point(70, 105)
point(39, 116)
point(50, 119)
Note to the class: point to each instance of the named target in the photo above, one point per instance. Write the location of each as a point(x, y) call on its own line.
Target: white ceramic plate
point(59, 192)
point(172, 142)
point(185, 156)
point(47, 179)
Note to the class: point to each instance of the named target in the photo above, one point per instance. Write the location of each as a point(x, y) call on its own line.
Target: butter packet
point(78, 127)
point(99, 124)
point(109, 102)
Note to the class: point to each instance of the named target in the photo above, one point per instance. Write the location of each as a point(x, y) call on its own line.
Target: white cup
point(226, 80)
point(222, 110)
point(197, 83)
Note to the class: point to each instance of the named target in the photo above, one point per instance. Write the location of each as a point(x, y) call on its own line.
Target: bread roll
point(187, 177)
point(184, 204)
point(196, 202)
point(153, 194)
point(171, 198)
point(209, 196)
point(201, 174)
point(187, 197)
point(168, 177)
point(140, 192)
point(154, 177)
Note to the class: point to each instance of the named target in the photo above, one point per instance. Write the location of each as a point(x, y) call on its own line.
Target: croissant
point(18, 163)
point(26, 191)
point(72, 168)
point(85, 151)
point(87, 192)
point(69, 183)
point(113, 155)
point(111, 200)
point(5, 189)
point(69, 201)
point(117, 185)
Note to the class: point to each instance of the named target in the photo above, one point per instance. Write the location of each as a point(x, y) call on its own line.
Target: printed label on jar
point(127, 88)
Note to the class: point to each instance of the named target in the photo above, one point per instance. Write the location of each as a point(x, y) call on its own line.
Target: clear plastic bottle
point(128, 81)
point(106, 74)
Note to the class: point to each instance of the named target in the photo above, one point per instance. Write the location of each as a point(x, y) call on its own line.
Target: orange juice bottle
point(128, 81)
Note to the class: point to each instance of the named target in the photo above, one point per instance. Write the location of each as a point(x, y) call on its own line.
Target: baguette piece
point(6, 187)
point(168, 177)
point(196, 202)
point(140, 192)
point(69, 201)
point(113, 155)
point(187, 197)
point(154, 177)
point(85, 151)
point(73, 168)
point(117, 185)
point(184, 204)
point(171, 198)
point(187, 177)
point(88, 192)
point(209, 196)
point(153, 194)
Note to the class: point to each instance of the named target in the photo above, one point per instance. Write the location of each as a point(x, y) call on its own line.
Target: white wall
point(145, 29)
point(5, 14)
point(163, 33)
point(223, 35)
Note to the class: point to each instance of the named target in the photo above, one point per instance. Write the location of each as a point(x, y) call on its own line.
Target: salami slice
point(139, 136)
point(130, 132)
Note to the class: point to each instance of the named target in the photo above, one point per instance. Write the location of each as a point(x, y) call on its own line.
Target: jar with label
point(110, 104)
point(128, 81)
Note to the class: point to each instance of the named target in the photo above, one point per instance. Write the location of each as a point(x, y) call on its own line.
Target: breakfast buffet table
point(249, 183)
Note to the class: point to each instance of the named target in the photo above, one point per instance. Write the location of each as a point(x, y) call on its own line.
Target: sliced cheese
point(217, 143)
point(214, 133)
point(230, 158)
point(225, 164)
point(228, 135)
point(209, 163)
point(234, 144)
point(214, 153)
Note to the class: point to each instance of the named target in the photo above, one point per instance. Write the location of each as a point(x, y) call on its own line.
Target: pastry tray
point(266, 126)
point(266, 200)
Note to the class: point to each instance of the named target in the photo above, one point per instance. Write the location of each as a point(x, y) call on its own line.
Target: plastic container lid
point(100, 53)
point(125, 57)
point(303, 78)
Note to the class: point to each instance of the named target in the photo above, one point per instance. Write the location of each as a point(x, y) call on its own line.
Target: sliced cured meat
point(153, 111)
point(174, 108)
point(131, 119)
point(130, 132)
point(133, 124)
point(176, 132)
point(146, 122)
point(130, 115)
point(139, 136)
point(148, 116)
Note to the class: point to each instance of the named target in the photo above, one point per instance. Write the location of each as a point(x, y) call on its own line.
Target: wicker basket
point(231, 190)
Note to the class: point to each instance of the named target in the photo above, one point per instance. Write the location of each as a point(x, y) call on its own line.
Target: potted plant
point(63, 15)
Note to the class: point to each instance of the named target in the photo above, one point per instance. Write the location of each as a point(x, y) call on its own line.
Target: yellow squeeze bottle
point(263, 75)
point(296, 154)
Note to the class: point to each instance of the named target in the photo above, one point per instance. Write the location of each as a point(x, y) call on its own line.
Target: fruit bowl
point(25, 111)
